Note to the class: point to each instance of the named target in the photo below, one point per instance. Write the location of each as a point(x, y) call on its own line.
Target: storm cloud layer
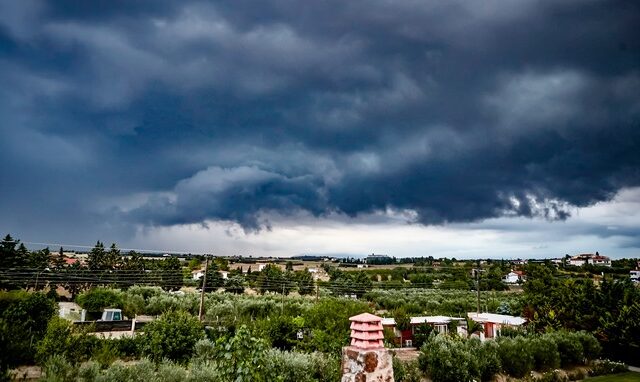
point(152, 113)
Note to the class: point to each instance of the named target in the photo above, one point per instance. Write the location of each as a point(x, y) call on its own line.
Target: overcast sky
point(445, 128)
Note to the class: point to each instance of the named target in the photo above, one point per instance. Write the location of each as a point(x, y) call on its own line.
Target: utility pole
point(204, 285)
point(317, 289)
point(282, 306)
point(477, 272)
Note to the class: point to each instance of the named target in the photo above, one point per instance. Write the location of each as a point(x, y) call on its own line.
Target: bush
point(172, 336)
point(590, 345)
point(69, 341)
point(128, 346)
point(515, 355)
point(447, 359)
point(577, 375)
point(58, 369)
point(545, 353)
point(488, 360)
point(569, 347)
point(607, 367)
point(88, 371)
point(406, 371)
point(553, 376)
point(141, 371)
point(97, 299)
point(23, 322)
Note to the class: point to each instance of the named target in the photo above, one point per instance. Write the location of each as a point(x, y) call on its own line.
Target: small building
point(514, 277)
point(197, 274)
point(439, 323)
point(225, 275)
point(493, 323)
point(634, 276)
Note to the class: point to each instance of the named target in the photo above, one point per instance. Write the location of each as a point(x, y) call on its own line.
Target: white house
point(494, 322)
point(225, 274)
point(634, 276)
point(197, 274)
point(513, 277)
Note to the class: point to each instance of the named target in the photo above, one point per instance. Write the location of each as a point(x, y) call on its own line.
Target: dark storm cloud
point(165, 113)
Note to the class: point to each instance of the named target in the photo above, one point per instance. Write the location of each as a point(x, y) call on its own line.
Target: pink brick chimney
point(366, 331)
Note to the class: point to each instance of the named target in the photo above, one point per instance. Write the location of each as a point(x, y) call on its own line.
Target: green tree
point(473, 327)
point(272, 279)
point(172, 336)
point(306, 284)
point(96, 259)
point(234, 284)
point(289, 266)
point(214, 279)
point(112, 258)
point(403, 322)
point(171, 273)
point(8, 253)
point(59, 261)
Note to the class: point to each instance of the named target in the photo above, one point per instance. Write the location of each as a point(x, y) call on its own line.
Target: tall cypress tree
point(96, 260)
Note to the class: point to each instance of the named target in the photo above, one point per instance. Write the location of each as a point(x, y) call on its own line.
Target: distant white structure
point(634, 276)
point(225, 274)
point(590, 259)
point(197, 275)
point(513, 277)
point(362, 266)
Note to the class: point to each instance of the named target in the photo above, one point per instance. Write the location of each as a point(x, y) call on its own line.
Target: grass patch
point(622, 377)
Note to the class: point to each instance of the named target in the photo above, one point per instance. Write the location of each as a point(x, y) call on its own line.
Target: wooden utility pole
point(317, 289)
point(204, 285)
point(477, 272)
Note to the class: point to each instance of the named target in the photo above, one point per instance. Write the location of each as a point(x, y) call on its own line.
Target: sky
point(276, 128)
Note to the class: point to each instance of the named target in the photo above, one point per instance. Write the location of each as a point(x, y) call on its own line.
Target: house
point(225, 275)
point(492, 323)
point(514, 277)
point(439, 323)
point(197, 274)
point(590, 259)
point(634, 276)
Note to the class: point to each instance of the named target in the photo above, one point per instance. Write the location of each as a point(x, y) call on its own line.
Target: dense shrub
point(23, 322)
point(68, 341)
point(515, 355)
point(58, 369)
point(239, 357)
point(172, 336)
point(97, 299)
point(569, 347)
point(406, 371)
point(299, 367)
point(607, 367)
point(545, 353)
point(487, 357)
point(590, 345)
point(447, 359)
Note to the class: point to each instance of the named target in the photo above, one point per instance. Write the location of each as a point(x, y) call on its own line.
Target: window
point(117, 316)
point(408, 343)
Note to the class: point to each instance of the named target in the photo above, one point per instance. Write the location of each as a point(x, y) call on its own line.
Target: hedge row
point(446, 358)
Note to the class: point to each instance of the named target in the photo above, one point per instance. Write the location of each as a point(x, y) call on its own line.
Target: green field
point(623, 377)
